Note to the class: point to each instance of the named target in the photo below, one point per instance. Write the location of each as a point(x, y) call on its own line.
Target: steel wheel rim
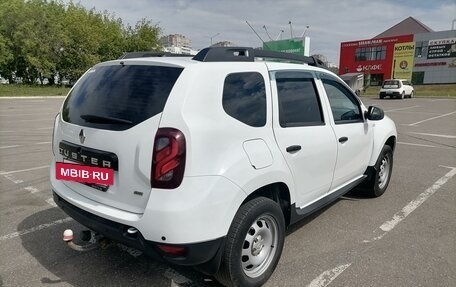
point(384, 171)
point(259, 246)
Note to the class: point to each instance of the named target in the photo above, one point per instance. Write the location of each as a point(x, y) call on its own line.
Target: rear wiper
point(104, 120)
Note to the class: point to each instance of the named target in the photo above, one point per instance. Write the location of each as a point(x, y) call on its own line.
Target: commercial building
point(177, 44)
point(175, 40)
point(223, 44)
point(409, 50)
point(180, 50)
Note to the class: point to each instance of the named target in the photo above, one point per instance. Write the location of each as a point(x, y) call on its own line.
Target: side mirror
point(375, 113)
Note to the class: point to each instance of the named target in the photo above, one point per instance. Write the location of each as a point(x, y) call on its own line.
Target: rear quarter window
point(244, 98)
point(118, 97)
point(392, 84)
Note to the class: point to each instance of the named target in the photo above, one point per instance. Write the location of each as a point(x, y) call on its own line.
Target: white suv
point(213, 157)
point(396, 88)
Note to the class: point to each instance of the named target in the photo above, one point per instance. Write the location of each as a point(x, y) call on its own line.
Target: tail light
point(168, 160)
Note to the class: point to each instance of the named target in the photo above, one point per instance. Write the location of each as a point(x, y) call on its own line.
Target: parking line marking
point(23, 115)
point(51, 202)
point(421, 145)
point(23, 170)
point(325, 278)
point(36, 228)
point(389, 225)
point(13, 179)
point(416, 112)
point(32, 189)
point(433, 118)
point(434, 135)
point(15, 146)
point(401, 109)
point(26, 121)
point(176, 277)
point(9, 146)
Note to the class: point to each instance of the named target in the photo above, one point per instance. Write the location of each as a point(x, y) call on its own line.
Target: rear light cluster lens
point(168, 160)
point(173, 250)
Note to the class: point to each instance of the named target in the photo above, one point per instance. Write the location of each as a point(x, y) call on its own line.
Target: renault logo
point(82, 136)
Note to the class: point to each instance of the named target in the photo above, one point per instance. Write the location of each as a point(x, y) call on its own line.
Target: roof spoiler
point(144, 54)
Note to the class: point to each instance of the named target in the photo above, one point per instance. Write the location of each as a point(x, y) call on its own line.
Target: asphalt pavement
point(407, 237)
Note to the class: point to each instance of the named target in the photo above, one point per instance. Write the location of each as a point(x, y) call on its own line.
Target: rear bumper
point(199, 210)
point(392, 94)
point(205, 256)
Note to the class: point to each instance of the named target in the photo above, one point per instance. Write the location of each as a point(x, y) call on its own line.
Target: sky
point(330, 21)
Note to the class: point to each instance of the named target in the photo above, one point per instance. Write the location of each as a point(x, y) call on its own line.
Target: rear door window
point(118, 97)
point(299, 104)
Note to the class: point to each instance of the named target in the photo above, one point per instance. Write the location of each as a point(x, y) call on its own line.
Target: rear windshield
point(120, 96)
point(391, 84)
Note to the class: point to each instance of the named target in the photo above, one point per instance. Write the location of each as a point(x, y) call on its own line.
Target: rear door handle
point(293, 148)
point(343, 139)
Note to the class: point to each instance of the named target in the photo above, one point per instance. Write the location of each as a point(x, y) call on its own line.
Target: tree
point(144, 37)
point(39, 38)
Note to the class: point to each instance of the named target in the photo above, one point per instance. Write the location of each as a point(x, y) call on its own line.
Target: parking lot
point(407, 237)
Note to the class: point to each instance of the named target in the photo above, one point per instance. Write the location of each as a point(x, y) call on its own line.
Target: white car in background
point(4, 81)
point(397, 88)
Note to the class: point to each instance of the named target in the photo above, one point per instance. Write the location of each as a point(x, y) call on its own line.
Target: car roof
point(188, 61)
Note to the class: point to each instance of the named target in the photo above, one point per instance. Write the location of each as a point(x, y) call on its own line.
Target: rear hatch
point(112, 114)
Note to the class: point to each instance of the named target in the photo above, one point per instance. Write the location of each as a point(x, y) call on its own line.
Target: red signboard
point(371, 56)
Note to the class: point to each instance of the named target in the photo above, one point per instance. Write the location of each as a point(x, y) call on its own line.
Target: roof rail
point(130, 55)
point(248, 54)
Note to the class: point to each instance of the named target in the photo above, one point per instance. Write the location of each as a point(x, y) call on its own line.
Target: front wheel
point(403, 95)
point(411, 94)
point(379, 181)
point(253, 245)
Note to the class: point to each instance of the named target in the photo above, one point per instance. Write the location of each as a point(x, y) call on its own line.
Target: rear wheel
point(379, 181)
point(253, 245)
point(381, 97)
point(411, 94)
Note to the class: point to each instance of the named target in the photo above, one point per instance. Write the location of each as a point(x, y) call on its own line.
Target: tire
point(379, 181)
point(381, 97)
point(253, 245)
point(403, 95)
point(411, 95)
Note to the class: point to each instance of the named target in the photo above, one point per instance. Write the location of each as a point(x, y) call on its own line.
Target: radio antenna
point(257, 35)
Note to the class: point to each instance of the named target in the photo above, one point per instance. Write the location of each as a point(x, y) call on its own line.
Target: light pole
point(291, 30)
point(264, 27)
point(280, 35)
point(213, 36)
point(305, 31)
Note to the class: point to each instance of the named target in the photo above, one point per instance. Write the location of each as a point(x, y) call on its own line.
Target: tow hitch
point(94, 240)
